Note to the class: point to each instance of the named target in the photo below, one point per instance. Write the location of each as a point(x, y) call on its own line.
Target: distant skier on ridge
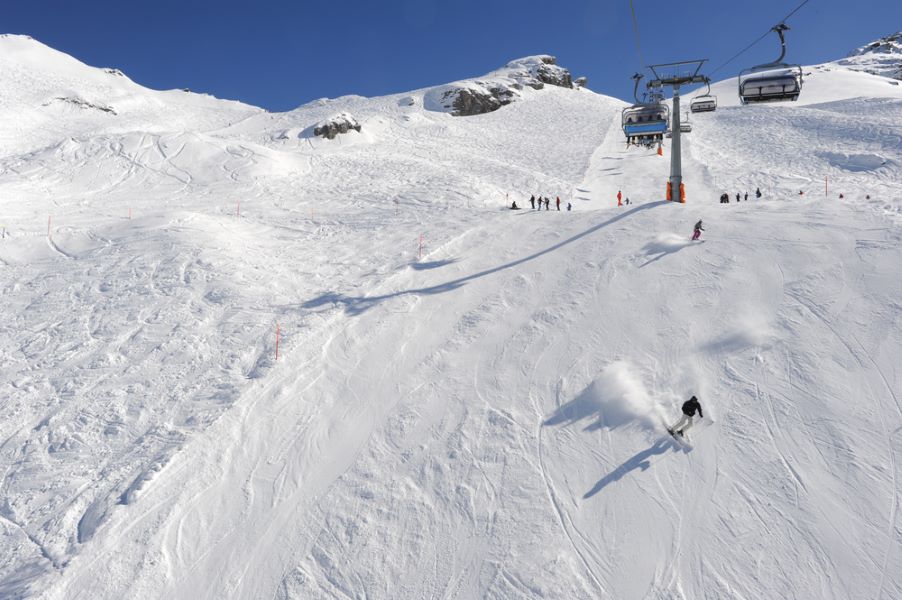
point(689, 407)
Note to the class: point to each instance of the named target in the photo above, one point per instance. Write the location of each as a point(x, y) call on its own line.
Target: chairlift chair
point(645, 122)
point(771, 82)
point(704, 103)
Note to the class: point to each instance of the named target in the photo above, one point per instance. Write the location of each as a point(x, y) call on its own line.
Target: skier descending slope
point(698, 230)
point(689, 407)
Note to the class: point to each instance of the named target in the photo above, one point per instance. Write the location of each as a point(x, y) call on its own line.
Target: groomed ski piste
point(468, 401)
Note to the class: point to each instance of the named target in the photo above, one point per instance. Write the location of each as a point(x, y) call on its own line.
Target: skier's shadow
point(640, 461)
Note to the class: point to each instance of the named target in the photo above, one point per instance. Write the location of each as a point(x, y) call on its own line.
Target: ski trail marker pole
point(278, 335)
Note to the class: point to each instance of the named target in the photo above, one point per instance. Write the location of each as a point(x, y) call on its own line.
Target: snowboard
point(682, 439)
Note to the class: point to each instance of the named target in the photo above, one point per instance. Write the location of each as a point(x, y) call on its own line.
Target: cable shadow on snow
point(641, 461)
point(435, 264)
point(356, 305)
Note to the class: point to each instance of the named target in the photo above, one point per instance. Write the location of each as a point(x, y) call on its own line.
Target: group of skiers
point(537, 202)
point(725, 197)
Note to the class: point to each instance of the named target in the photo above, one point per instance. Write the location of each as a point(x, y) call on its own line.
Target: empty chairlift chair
point(771, 82)
point(704, 103)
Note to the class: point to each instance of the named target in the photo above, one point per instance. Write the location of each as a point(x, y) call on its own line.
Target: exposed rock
point(499, 88)
point(580, 82)
point(115, 72)
point(81, 103)
point(331, 127)
point(883, 57)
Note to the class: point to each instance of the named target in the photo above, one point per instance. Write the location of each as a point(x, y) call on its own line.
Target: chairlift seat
point(703, 104)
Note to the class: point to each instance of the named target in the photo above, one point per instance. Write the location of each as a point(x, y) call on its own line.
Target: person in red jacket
point(559, 203)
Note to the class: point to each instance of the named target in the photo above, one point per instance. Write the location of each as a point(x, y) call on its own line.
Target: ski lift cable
point(636, 31)
point(766, 33)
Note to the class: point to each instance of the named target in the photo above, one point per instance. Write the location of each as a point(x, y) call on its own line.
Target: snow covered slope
point(482, 418)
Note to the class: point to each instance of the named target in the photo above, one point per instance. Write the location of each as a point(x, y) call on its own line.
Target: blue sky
point(279, 54)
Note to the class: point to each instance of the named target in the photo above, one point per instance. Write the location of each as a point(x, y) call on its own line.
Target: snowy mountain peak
point(498, 88)
point(882, 57)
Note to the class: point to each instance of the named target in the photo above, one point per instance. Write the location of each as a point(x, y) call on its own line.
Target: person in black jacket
point(689, 407)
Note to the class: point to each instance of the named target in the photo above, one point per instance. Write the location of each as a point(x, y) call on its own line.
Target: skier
point(569, 206)
point(627, 201)
point(737, 196)
point(746, 197)
point(619, 198)
point(757, 192)
point(547, 203)
point(698, 230)
point(689, 407)
point(532, 201)
point(559, 203)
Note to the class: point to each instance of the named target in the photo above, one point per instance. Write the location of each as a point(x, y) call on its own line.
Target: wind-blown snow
point(479, 416)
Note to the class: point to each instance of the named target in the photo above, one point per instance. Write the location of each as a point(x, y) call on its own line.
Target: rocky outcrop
point(477, 99)
point(331, 127)
point(882, 57)
point(499, 88)
point(81, 103)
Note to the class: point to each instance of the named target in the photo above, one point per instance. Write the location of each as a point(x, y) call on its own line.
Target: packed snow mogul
point(698, 230)
point(689, 407)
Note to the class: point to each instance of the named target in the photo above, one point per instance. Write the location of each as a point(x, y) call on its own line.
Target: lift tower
point(675, 75)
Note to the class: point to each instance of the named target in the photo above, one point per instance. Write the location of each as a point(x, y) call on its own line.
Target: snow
point(482, 417)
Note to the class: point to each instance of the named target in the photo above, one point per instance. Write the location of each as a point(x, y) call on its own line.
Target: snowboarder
point(532, 201)
point(569, 206)
point(757, 192)
point(514, 205)
point(746, 197)
point(559, 203)
point(724, 199)
point(689, 407)
point(627, 201)
point(698, 230)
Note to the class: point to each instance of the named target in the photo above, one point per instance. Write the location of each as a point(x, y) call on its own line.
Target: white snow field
point(479, 418)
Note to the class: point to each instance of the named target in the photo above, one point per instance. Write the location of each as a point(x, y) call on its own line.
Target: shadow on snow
point(641, 461)
point(356, 305)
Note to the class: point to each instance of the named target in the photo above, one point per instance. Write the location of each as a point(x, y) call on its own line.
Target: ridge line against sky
point(281, 54)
